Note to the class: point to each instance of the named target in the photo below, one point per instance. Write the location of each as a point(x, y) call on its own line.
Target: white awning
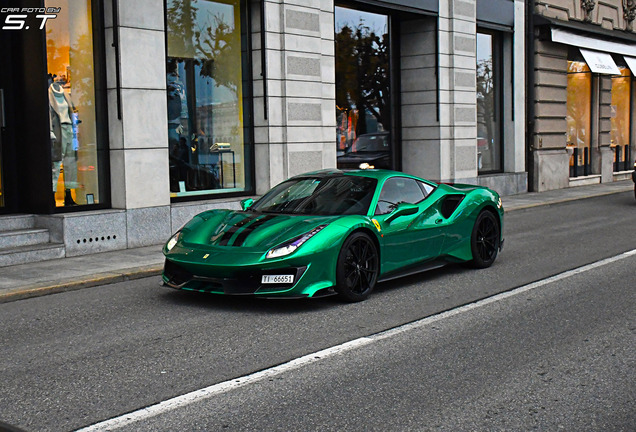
point(631, 62)
point(580, 41)
point(600, 62)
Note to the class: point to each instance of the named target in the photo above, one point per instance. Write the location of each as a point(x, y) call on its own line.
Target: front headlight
point(173, 241)
point(292, 245)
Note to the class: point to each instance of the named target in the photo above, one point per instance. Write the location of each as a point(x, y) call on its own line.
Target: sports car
point(335, 232)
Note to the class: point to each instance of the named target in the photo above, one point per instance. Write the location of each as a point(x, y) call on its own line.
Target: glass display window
point(621, 119)
point(579, 120)
point(489, 151)
point(208, 148)
point(363, 88)
point(75, 178)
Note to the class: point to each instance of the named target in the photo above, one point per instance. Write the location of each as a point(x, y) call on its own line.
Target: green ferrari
point(335, 232)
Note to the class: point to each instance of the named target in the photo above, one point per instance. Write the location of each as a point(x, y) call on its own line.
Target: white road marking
point(216, 389)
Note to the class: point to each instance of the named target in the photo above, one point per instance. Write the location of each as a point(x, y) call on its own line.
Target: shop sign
point(599, 62)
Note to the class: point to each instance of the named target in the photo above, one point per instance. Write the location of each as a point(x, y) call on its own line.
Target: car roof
point(378, 174)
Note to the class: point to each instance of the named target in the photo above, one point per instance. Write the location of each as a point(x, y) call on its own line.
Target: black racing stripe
point(247, 231)
point(229, 233)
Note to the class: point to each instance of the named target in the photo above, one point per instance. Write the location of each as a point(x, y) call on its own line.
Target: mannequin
point(62, 152)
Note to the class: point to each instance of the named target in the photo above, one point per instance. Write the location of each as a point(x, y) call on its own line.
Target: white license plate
point(277, 279)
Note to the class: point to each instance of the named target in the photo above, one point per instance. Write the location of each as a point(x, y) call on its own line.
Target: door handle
point(439, 221)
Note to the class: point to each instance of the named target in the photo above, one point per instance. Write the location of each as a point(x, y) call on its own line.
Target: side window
point(397, 190)
point(426, 188)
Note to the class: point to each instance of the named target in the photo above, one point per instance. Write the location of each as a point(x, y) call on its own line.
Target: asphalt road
point(561, 355)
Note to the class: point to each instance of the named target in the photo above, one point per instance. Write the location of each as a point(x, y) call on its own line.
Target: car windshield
point(370, 143)
point(325, 196)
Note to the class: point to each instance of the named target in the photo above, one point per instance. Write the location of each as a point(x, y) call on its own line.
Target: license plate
point(277, 279)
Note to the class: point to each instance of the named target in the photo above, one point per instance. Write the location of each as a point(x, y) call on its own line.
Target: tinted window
point(397, 190)
point(338, 195)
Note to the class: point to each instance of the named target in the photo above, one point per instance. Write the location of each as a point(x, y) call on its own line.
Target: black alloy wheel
point(484, 241)
point(358, 267)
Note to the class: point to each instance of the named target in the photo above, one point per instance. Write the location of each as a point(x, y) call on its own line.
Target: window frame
point(395, 103)
point(498, 78)
point(246, 37)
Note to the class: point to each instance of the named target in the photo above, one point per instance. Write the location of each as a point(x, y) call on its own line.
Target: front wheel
point(357, 268)
point(484, 240)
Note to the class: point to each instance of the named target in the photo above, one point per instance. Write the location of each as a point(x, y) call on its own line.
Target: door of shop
point(8, 192)
point(25, 159)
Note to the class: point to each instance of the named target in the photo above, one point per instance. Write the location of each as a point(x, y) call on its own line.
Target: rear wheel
point(484, 240)
point(357, 268)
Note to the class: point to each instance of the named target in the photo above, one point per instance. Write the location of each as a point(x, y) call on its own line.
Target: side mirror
point(402, 209)
point(247, 203)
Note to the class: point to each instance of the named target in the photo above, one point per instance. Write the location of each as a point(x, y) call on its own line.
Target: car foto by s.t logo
point(18, 18)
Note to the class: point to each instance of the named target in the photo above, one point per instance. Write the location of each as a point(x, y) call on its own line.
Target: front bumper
point(241, 283)
point(237, 271)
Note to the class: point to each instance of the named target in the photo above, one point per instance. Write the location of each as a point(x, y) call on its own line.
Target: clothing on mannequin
point(62, 151)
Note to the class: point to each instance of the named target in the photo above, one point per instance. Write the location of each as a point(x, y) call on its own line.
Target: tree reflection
point(207, 38)
point(362, 74)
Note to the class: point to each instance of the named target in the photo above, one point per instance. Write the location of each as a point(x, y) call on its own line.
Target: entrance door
point(8, 192)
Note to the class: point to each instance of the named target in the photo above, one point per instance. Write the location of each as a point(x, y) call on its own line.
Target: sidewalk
point(67, 274)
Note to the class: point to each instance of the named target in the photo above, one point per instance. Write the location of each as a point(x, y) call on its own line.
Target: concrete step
point(16, 222)
point(32, 253)
point(23, 237)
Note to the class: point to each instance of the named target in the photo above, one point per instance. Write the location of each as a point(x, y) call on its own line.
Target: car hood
point(257, 231)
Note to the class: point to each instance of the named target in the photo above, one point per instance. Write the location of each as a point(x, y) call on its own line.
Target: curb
point(564, 200)
point(46, 288)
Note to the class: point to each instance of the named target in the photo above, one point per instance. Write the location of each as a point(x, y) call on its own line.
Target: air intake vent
point(450, 204)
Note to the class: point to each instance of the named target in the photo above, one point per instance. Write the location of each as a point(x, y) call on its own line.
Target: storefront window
point(489, 152)
point(363, 106)
point(206, 130)
point(72, 104)
point(620, 119)
point(579, 122)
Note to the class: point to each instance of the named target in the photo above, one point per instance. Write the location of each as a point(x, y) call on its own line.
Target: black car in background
point(634, 178)
point(373, 149)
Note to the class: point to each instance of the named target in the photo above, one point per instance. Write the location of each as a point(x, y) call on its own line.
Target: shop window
point(72, 105)
point(579, 121)
point(620, 119)
point(489, 124)
point(363, 87)
point(208, 148)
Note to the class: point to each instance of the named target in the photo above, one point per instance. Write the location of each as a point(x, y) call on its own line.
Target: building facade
point(121, 120)
point(581, 63)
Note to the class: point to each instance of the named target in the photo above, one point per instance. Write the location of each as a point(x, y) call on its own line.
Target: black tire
point(484, 240)
point(635, 191)
point(357, 268)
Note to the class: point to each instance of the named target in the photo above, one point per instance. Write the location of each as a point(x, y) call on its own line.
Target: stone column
point(457, 89)
point(299, 133)
point(139, 139)
point(551, 159)
point(421, 150)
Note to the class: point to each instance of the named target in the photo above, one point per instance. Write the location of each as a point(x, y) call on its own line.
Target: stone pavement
point(67, 274)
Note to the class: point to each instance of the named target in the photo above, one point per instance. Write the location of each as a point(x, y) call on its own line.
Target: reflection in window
point(620, 119)
point(362, 85)
point(71, 98)
point(205, 93)
point(579, 120)
point(488, 125)
point(398, 190)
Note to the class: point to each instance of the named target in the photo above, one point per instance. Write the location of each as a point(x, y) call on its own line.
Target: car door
point(409, 239)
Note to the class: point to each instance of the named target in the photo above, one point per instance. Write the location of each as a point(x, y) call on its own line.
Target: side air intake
point(450, 204)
